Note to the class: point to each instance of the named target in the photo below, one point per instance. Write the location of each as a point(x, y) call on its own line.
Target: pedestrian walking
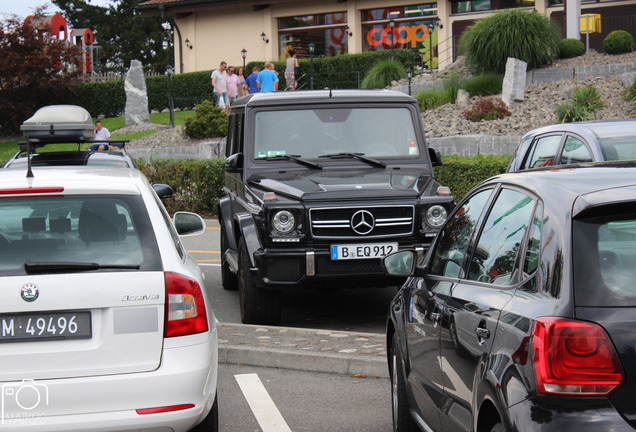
point(233, 90)
point(250, 81)
point(267, 80)
point(290, 70)
point(219, 82)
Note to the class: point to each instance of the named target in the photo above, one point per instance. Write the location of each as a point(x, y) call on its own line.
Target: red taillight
point(185, 308)
point(574, 358)
point(157, 410)
point(31, 190)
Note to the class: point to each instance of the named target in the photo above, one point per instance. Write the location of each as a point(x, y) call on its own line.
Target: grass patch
point(134, 136)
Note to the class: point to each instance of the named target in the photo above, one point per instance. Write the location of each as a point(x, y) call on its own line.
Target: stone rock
point(514, 83)
point(136, 111)
point(628, 78)
point(463, 97)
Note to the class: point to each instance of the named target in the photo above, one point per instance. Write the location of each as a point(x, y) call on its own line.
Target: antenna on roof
point(29, 172)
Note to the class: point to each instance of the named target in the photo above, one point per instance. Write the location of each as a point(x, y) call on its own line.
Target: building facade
point(210, 31)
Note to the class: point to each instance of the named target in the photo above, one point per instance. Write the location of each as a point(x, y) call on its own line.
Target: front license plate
point(45, 326)
point(362, 250)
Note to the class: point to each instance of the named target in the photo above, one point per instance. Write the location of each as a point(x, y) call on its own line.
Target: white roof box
point(59, 124)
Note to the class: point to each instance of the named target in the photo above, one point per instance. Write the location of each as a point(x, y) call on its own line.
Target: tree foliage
point(36, 69)
point(123, 33)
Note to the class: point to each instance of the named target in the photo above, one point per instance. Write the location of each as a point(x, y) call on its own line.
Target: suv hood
point(323, 185)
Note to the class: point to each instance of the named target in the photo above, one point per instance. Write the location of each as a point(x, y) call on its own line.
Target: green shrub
point(618, 42)
point(486, 84)
point(197, 183)
point(208, 121)
point(487, 109)
point(429, 99)
point(382, 74)
point(569, 112)
point(571, 48)
point(580, 107)
point(525, 35)
point(461, 173)
point(588, 97)
point(630, 94)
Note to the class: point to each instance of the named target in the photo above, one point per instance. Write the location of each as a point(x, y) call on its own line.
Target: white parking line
point(209, 265)
point(264, 409)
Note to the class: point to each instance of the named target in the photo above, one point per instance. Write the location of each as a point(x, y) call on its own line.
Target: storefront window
point(325, 31)
point(415, 27)
point(485, 5)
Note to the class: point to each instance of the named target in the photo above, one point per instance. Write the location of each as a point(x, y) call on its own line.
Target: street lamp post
point(430, 46)
point(244, 55)
point(311, 64)
point(392, 27)
point(169, 72)
point(409, 75)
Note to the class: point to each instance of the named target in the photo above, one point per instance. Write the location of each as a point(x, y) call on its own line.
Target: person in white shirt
point(101, 134)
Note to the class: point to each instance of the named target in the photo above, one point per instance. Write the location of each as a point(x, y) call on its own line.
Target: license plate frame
point(342, 252)
point(45, 326)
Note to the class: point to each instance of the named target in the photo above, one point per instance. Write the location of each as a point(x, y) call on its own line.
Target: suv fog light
point(284, 221)
point(436, 216)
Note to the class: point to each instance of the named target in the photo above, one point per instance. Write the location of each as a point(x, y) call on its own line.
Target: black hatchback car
point(569, 143)
point(522, 314)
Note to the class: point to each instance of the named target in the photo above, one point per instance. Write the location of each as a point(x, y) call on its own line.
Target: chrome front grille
point(361, 222)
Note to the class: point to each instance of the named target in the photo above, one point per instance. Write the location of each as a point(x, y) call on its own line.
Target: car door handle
point(482, 333)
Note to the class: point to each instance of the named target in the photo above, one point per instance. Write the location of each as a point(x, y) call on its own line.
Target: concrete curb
point(312, 350)
point(310, 362)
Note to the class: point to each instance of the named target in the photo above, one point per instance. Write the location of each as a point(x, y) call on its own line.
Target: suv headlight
point(284, 221)
point(436, 216)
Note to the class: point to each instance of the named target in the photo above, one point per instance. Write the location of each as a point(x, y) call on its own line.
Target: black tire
point(258, 305)
point(402, 421)
point(499, 427)
point(228, 279)
point(211, 422)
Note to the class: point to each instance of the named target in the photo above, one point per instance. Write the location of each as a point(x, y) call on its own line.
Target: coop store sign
point(402, 35)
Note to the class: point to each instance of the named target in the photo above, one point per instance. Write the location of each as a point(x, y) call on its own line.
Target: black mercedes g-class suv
point(320, 186)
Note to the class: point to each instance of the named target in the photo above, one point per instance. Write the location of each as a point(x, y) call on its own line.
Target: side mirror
point(188, 223)
point(234, 162)
point(163, 191)
point(436, 156)
point(400, 263)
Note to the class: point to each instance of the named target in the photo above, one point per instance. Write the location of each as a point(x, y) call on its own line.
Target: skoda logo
point(362, 222)
point(30, 292)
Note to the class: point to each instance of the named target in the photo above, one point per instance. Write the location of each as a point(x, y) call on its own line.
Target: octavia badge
point(362, 222)
point(29, 292)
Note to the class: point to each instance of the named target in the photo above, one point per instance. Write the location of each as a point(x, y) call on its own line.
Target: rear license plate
point(362, 250)
point(45, 326)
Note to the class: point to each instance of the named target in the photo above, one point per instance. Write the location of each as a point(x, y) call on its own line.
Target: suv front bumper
point(303, 267)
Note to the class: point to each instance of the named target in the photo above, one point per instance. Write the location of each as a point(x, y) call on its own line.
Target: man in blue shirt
point(251, 80)
point(267, 80)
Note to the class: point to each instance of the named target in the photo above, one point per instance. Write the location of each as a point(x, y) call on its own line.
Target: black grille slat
point(325, 266)
point(335, 222)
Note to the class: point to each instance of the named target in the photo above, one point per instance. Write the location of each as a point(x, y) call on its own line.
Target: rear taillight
point(574, 358)
point(185, 307)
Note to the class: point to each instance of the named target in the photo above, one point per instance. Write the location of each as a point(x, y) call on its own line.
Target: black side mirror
point(234, 162)
point(163, 191)
point(436, 156)
point(188, 223)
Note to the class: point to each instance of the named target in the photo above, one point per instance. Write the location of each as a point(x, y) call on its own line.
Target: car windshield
point(623, 148)
point(605, 260)
point(48, 234)
point(383, 132)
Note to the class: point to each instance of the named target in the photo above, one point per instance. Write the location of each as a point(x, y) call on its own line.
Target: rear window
point(619, 148)
point(605, 260)
point(48, 234)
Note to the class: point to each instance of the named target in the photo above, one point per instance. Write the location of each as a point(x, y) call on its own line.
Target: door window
point(543, 152)
point(575, 151)
point(454, 238)
point(495, 257)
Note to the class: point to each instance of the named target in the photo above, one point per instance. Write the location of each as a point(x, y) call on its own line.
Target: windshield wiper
point(359, 156)
point(45, 267)
point(295, 158)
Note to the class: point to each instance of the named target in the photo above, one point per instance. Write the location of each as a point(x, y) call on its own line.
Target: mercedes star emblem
point(362, 222)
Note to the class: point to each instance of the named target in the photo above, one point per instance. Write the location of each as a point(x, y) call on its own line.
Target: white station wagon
point(104, 320)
